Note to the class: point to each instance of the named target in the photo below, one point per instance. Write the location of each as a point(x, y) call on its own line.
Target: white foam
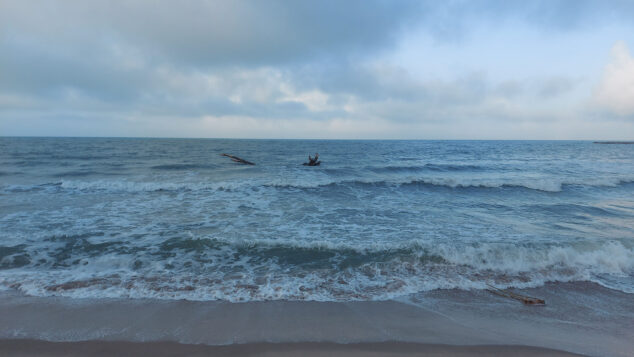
point(293, 179)
point(140, 186)
point(248, 279)
point(611, 257)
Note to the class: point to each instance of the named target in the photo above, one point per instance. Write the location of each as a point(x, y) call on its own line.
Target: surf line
point(527, 300)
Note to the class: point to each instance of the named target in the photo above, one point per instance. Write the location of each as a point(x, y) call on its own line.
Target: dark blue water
point(170, 218)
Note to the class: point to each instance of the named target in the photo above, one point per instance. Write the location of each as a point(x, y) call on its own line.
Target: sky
point(354, 69)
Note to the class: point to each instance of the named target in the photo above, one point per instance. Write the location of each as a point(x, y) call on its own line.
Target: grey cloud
point(556, 86)
point(393, 94)
point(234, 58)
point(510, 89)
point(34, 71)
point(216, 32)
point(116, 52)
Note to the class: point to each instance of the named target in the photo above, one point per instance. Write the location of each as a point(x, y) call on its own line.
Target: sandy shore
point(34, 348)
point(579, 318)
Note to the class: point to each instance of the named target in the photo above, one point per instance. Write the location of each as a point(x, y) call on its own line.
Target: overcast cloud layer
point(318, 69)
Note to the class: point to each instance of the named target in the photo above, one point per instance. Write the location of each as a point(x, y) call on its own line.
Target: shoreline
point(17, 347)
point(582, 318)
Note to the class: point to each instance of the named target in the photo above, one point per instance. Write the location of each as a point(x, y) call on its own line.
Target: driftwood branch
point(238, 160)
point(525, 299)
point(312, 161)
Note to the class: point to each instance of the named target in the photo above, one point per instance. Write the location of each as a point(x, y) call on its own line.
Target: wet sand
point(34, 348)
point(581, 318)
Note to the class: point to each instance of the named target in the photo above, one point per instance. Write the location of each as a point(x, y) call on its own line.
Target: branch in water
point(238, 160)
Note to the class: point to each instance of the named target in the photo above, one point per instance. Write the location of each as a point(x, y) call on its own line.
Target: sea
point(172, 219)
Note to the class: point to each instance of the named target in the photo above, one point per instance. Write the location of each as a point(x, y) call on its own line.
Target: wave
point(568, 209)
point(543, 184)
point(426, 167)
point(76, 173)
point(546, 185)
point(123, 186)
point(217, 269)
point(51, 156)
point(608, 257)
point(177, 167)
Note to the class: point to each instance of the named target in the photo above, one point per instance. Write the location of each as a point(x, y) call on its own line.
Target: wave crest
point(216, 269)
point(294, 180)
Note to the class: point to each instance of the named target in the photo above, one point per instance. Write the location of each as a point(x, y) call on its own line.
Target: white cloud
point(615, 92)
point(314, 100)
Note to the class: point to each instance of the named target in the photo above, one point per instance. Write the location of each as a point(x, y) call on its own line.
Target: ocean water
point(172, 219)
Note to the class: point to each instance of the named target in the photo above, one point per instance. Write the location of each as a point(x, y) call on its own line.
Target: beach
point(443, 323)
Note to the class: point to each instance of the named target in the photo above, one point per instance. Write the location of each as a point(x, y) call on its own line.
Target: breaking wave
point(216, 269)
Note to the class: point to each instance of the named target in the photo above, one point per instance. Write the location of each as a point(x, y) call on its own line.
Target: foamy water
point(172, 219)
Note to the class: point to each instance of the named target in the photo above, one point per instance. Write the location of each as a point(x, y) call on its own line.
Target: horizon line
point(314, 139)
